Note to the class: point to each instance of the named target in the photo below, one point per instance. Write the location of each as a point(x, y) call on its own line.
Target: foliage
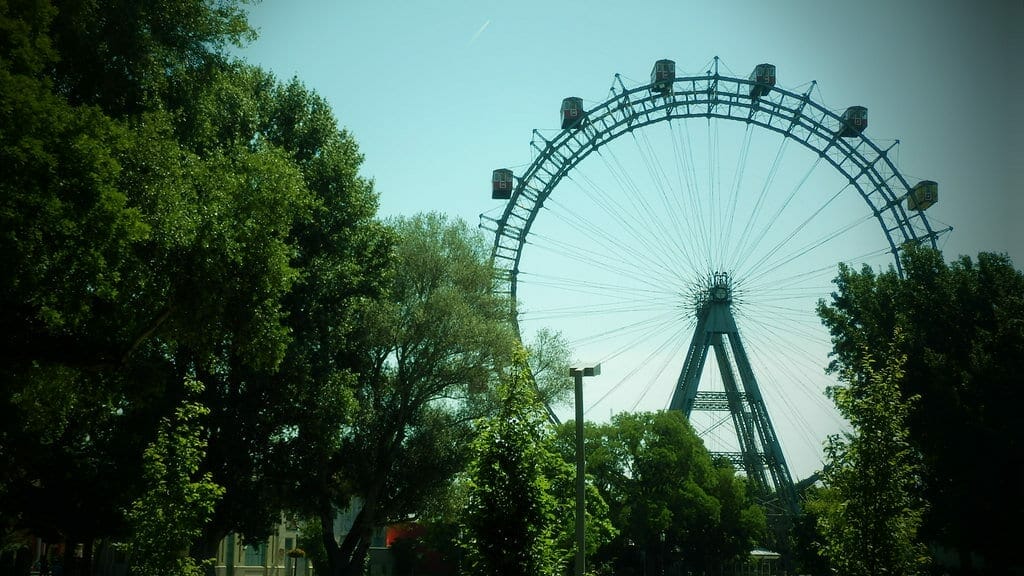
point(178, 499)
point(122, 55)
point(871, 509)
point(512, 513)
point(294, 407)
point(428, 352)
point(549, 364)
point(963, 336)
point(667, 499)
point(311, 541)
point(806, 540)
point(598, 529)
point(167, 213)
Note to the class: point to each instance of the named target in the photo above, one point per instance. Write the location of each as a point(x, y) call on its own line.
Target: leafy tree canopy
point(167, 214)
point(871, 508)
point(962, 326)
point(428, 353)
point(666, 497)
point(512, 516)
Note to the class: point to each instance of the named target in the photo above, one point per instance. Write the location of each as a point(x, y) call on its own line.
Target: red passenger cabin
point(501, 184)
point(855, 120)
point(763, 78)
point(573, 115)
point(662, 76)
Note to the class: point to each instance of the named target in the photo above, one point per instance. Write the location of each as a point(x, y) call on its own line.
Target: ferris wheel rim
point(794, 116)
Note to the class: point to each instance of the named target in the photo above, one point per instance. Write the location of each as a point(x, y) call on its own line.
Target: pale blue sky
point(440, 93)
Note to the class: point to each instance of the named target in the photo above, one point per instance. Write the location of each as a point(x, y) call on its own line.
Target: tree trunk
point(333, 551)
point(358, 559)
point(357, 541)
point(353, 550)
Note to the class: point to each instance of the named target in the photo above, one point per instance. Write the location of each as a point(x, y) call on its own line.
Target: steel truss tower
point(760, 455)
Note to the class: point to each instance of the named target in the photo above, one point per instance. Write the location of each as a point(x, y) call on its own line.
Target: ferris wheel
point(682, 231)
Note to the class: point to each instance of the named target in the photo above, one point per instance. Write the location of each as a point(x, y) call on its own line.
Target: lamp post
point(661, 554)
point(578, 373)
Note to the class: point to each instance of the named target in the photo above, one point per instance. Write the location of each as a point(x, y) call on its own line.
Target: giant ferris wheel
point(682, 231)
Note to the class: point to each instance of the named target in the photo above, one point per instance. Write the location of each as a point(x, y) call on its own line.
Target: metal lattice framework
point(795, 116)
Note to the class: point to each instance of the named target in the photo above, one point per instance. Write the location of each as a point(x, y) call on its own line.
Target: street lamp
point(577, 374)
point(662, 552)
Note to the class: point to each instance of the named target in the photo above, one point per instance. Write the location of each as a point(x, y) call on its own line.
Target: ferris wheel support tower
point(760, 454)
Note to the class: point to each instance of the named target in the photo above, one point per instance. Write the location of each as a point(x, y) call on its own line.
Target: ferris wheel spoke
point(738, 174)
point(792, 363)
point(669, 201)
point(686, 169)
point(643, 216)
point(596, 309)
point(796, 380)
point(806, 249)
point(610, 301)
point(756, 210)
point(640, 330)
point(769, 226)
point(660, 362)
point(769, 317)
point(670, 339)
point(632, 219)
point(608, 251)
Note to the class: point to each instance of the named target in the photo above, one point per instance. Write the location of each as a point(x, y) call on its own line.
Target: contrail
point(479, 32)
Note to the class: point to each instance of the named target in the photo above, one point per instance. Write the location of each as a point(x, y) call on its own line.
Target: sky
point(438, 94)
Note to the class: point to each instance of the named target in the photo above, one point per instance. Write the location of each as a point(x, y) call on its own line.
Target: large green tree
point(427, 356)
point(512, 515)
point(177, 501)
point(123, 264)
point(963, 337)
point(871, 508)
point(167, 213)
point(125, 55)
point(669, 502)
point(293, 408)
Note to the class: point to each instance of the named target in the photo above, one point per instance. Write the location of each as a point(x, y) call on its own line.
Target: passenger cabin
point(662, 76)
point(501, 184)
point(855, 120)
point(923, 195)
point(763, 78)
point(573, 115)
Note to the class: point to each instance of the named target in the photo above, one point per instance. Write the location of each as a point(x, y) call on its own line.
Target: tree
point(549, 363)
point(962, 337)
point(512, 512)
point(294, 407)
point(872, 509)
point(669, 502)
point(428, 352)
point(124, 55)
point(806, 540)
point(178, 500)
point(167, 214)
